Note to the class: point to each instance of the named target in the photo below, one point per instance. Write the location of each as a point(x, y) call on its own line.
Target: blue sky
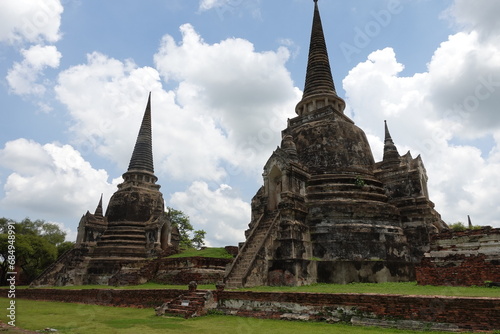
point(224, 76)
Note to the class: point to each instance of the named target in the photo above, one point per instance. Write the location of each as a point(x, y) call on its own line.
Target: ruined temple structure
point(462, 258)
point(327, 212)
point(134, 227)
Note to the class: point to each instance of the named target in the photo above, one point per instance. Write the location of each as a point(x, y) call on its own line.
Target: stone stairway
point(188, 305)
point(125, 239)
point(123, 242)
point(248, 252)
point(74, 260)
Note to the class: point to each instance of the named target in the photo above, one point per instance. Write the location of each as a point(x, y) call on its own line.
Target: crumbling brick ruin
point(327, 212)
point(465, 258)
point(135, 226)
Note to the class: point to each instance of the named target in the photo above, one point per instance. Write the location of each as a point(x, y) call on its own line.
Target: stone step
point(192, 304)
point(121, 237)
point(122, 243)
point(180, 312)
point(119, 251)
point(125, 242)
point(126, 223)
point(125, 230)
point(235, 278)
point(117, 258)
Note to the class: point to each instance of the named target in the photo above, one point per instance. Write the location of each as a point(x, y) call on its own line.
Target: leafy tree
point(181, 221)
point(199, 239)
point(49, 231)
point(52, 233)
point(34, 254)
point(37, 245)
point(458, 227)
point(63, 247)
point(4, 224)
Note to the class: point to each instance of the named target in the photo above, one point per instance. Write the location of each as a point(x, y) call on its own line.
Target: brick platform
point(458, 313)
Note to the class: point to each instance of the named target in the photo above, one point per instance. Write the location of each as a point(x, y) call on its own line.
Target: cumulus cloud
point(107, 97)
point(248, 94)
point(23, 77)
point(224, 7)
point(465, 83)
point(51, 179)
point(437, 112)
point(209, 4)
point(30, 21)
point(209, 121)
point(480, 16)
point(222, 214)
point(221, 119)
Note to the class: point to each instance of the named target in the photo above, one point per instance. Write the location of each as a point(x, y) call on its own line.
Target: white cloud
point(107, 97)
point(51, 179)
point(248, 94)
point(23, 77)
point(465, 83)
point(209, 4)
point(456, 98)
point(212, 118)
point(224, 7)
point(220, 212)
point(479, 15)
point(31, 21)
point(223, 118)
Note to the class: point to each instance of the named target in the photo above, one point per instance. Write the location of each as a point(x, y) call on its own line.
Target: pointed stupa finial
point(387, 134)
point(390, 150)
point(98, 211)
point(319, 89)
point(142, 157)
point(319, 77)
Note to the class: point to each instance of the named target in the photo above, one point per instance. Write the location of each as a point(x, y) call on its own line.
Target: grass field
point(130, 287)
point(403, 288)
point(219, 253)
point(83, 319)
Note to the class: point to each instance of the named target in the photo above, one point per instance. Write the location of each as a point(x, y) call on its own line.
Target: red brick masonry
point(107, 297)
point(470, 313)
point(470, 270)
point(466, 258)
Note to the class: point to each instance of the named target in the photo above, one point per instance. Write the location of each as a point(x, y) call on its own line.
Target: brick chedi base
point(465, 258)
point(409, 312)
point(326, 211)
point(134, 227)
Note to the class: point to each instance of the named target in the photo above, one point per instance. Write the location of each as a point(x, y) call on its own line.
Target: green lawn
point(81, 319)
point(219, 253)
point(149, 285)
point(403, 288)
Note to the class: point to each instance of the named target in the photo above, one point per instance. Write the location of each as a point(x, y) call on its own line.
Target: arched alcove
point(275, 188)
point(165, 235)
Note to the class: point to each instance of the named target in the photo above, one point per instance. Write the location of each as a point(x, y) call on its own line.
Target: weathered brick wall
point(469, 313)
point(466, 258)
point(184, 270)
point(466, 313)
point(107, 297)
point(461, 271)
point(178, 271)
